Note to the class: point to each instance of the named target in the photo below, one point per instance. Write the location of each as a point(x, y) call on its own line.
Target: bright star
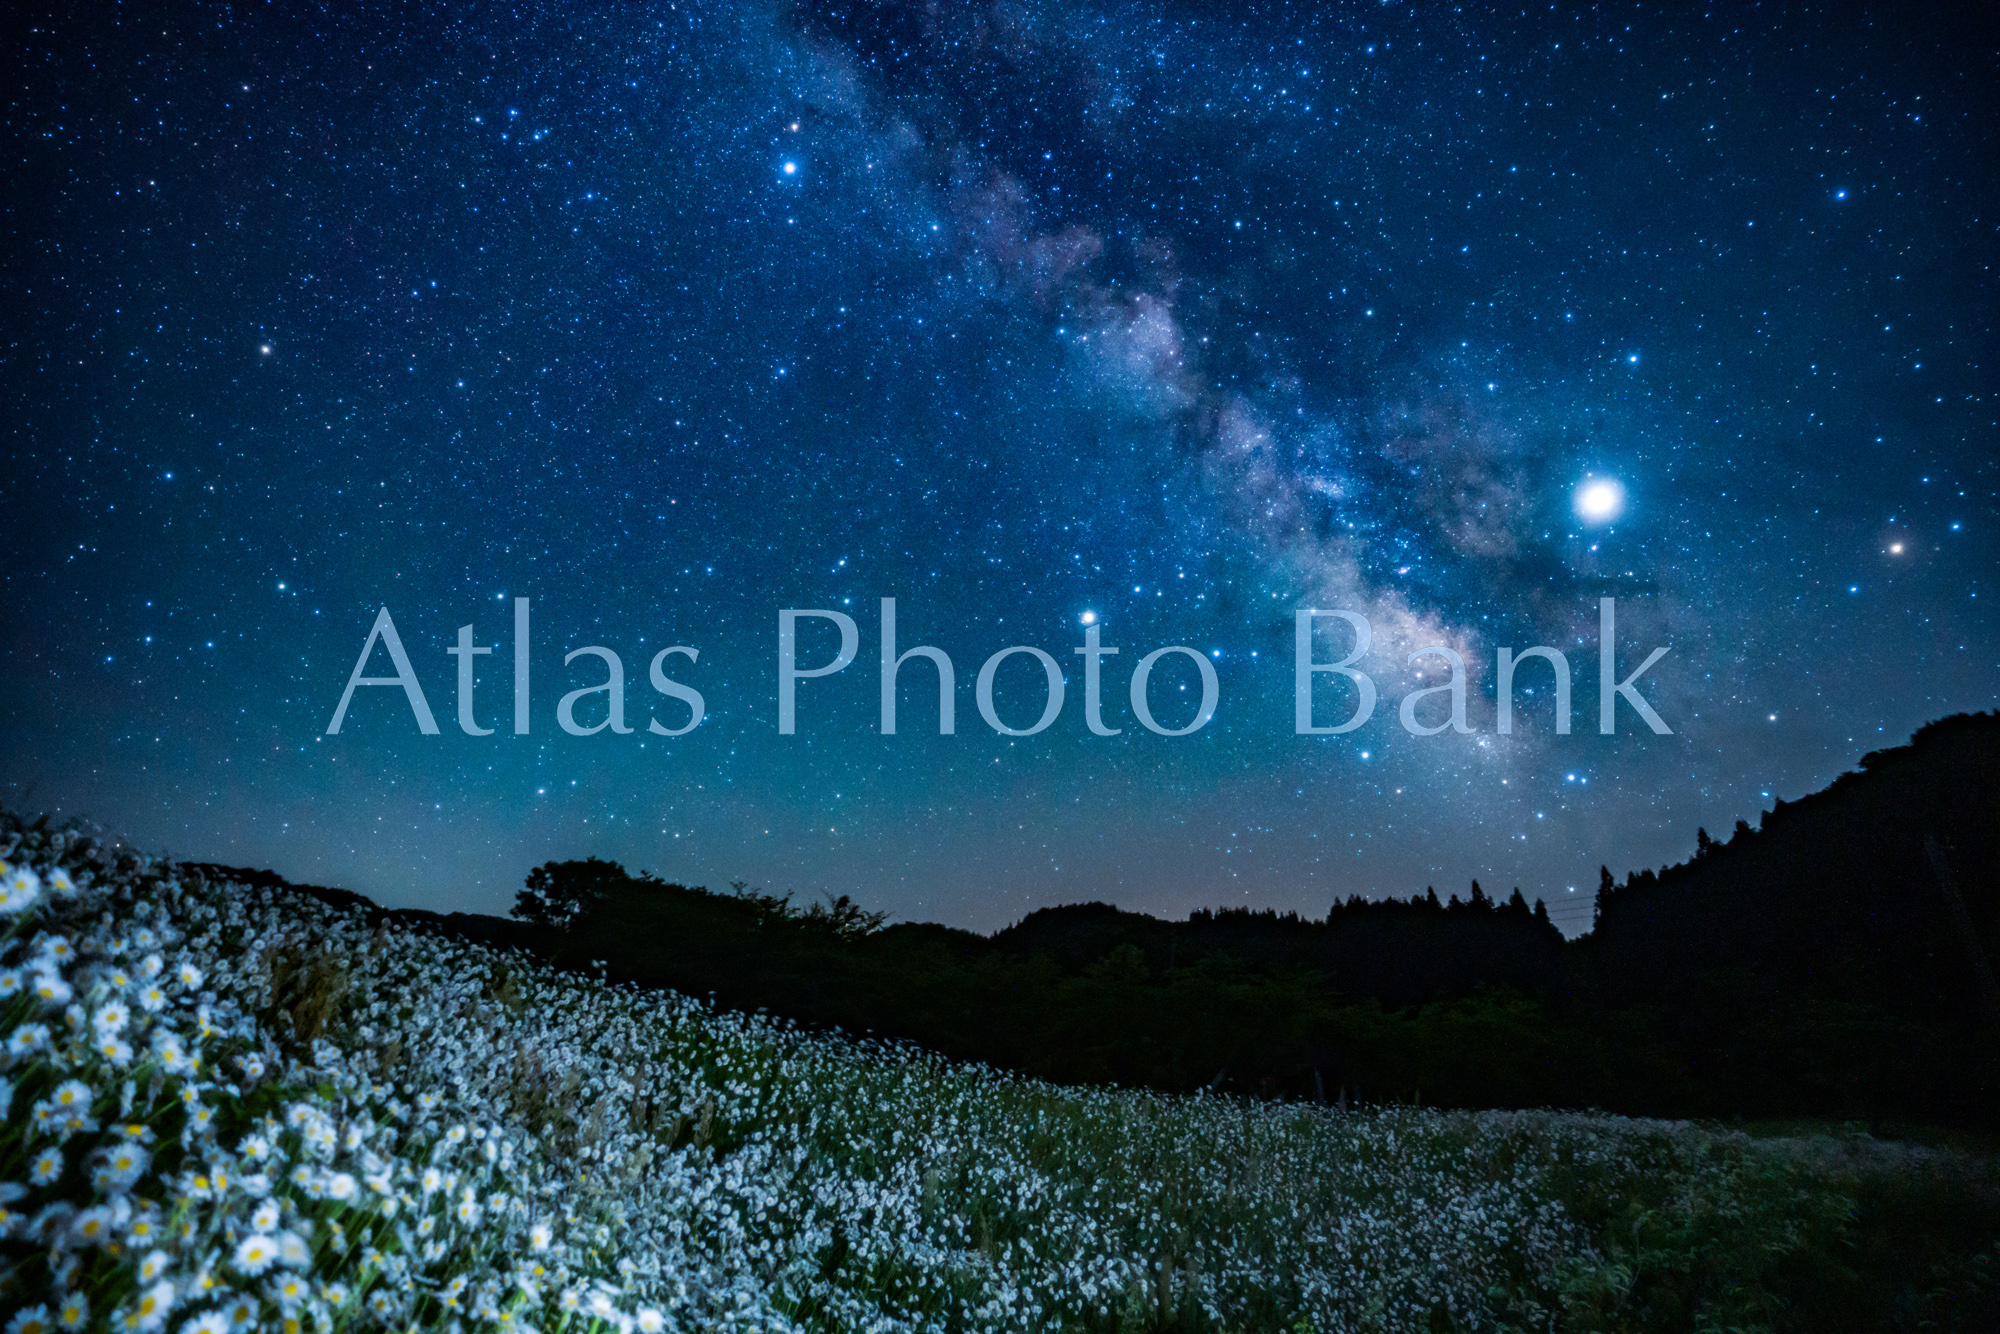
point(1600, 501)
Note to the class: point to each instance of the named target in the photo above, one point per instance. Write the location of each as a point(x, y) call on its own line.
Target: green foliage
point(1808, 968)
point(643, 1160)
point(1815, 1235)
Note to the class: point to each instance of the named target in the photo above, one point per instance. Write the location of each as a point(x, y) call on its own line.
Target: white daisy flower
point(255, 1254)
point(47, 1166)
point(288, 1290)
point(33, 1320)
point(72, 1093)
point(169, 1051)
point(153, 1304)
point(92, 1227)
point(292, 1250)
point(18, 889)
point(125, 1164)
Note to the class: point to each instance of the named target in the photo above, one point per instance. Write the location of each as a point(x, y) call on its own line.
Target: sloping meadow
point(231, 1108)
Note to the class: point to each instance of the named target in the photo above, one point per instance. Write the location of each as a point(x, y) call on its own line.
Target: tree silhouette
point(559, 892)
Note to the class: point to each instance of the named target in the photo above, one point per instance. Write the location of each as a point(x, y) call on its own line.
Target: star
point(1600, 501)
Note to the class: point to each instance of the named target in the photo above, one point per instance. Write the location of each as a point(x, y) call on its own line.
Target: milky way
point(1176, 318)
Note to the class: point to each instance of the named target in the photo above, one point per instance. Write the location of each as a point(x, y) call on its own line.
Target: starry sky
point(1167, 318)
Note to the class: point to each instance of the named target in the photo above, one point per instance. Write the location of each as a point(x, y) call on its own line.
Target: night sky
point(1173, 317)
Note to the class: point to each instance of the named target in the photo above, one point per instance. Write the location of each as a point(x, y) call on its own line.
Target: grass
point(341, 1127)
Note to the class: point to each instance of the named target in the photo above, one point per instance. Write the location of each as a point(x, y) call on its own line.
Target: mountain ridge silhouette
point(1835, 961)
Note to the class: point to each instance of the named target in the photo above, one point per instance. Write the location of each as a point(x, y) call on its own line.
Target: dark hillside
point(1835, 962)
point(1843, 947)
point(1848, 893)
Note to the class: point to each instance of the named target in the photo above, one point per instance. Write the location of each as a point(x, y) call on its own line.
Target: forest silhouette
point(1835, 962)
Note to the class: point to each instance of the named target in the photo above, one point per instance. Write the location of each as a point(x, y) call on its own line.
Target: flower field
point(229, 1108)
